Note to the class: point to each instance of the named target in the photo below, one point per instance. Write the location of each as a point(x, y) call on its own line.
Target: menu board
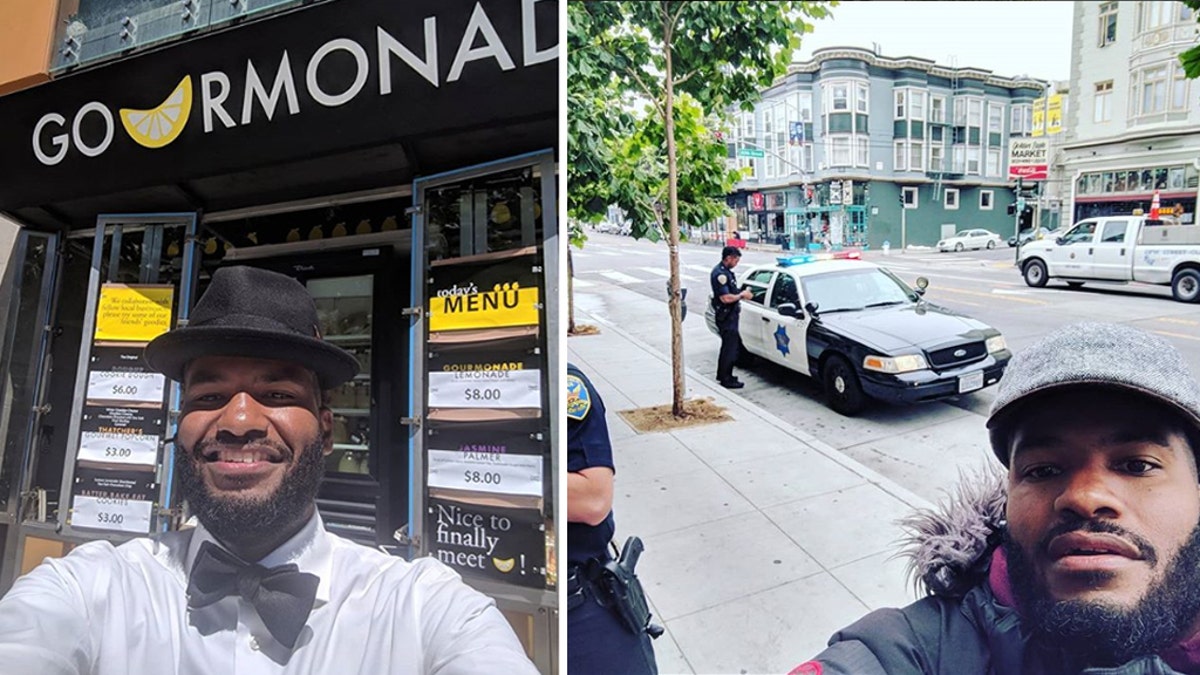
point(124, 413)
point(486, 450)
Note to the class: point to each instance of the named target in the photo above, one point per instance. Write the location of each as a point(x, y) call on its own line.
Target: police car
point(863, 333)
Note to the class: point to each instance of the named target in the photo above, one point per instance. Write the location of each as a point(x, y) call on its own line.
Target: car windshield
point(856, 289)
point(964, 233)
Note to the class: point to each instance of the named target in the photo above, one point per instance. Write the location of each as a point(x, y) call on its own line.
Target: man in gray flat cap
point(1085, 557)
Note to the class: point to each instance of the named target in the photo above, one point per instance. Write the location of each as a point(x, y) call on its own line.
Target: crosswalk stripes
point(581, 283)
point(619, 277)
point(655, 271)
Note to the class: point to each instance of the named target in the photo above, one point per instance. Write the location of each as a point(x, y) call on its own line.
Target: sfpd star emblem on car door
point(782, 341)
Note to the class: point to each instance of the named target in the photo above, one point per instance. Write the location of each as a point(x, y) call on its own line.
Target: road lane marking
point(993, 295)
point(619, 277)
point(655, 271)
point(581, 283)
point(699, 268)
point(1178, 335)
point(1186, 322)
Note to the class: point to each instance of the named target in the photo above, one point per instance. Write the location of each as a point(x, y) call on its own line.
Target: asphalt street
point(921, 447)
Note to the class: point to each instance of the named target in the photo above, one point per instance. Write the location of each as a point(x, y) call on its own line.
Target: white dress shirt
point(122, 610)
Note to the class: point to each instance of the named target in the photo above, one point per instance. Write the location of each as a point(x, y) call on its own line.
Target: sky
point(1008, 38)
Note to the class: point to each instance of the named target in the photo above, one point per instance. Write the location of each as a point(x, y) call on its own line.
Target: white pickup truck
point(1118, 249)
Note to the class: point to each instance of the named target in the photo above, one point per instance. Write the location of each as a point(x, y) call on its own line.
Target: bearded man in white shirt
point(259, 586)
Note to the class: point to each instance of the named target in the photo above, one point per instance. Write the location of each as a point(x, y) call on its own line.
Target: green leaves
point(1190, 59)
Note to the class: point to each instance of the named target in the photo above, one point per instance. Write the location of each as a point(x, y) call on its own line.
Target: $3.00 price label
point(104, 385)
point(118, 448)
point(486, 389)
point(486, 472)
point(102, 513)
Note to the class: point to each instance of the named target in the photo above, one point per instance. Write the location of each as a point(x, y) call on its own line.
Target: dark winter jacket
point(967, 623)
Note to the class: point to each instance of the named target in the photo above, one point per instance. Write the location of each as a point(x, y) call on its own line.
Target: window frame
point(946, 205)
point(899, 156)
point(991, 200)
point(905, 191)
point(862, 98)
point(752, 285)
point(939, 167)
point(942, 108)
point(999, 162)
point(1108, 18)
point(833, 141)
point(1102, 102)
point(916, 150)
point(900, 104)
point(998, 118)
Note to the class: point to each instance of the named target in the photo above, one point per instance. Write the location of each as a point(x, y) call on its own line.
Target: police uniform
point(597, 640)
point(725, 283)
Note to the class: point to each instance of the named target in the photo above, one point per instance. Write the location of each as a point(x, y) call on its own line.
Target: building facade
point(1134, 120)
point(853, 148)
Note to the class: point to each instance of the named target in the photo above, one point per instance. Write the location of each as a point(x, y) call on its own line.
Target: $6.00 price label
point(118, 448)
point(122, 386)
point(125, 515)
point(486, 389)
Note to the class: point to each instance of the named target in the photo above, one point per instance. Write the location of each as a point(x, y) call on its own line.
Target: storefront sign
point(133, 313)
point(486, 389)
point(119, 448)
point(1028, 158)
point(129, 388)
point(756, 202)
point(486, 471)
point(239, 97)
point(484, 292)
point(506, 545)
point(105, 513)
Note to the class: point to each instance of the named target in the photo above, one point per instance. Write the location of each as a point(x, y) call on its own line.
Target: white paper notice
point(486, 389)
point(103, 513)
point(118, 448)
point(486, 472)
point(106, 385)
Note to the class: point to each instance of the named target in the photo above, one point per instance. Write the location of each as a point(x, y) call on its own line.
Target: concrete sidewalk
point(761, 540)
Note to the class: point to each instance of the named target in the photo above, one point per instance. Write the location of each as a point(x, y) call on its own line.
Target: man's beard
point(1100, 634)
point(232, 518)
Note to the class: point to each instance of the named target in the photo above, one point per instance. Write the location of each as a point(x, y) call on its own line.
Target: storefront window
point(502, 211)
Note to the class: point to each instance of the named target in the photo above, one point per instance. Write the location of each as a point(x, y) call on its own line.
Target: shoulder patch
point(722, 279)
point(807, 668)
point(579, 400)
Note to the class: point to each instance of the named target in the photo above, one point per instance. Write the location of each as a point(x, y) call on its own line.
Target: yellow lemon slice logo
point(503, 565)
point(162, 124)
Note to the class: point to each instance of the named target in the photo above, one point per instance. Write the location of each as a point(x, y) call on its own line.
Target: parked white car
point(965, 239)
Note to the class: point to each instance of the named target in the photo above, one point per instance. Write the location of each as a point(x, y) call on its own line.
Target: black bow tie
point(283, 596)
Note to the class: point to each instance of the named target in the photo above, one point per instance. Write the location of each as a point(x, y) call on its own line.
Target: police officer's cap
point(731, 251)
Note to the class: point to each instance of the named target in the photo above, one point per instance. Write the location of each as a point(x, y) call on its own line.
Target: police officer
point(725, 299)
point(597, 640)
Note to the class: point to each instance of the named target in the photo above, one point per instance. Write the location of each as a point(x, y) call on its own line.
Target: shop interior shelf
point(350, 446)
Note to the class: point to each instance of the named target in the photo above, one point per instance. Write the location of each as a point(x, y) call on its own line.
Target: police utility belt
point(614, 585)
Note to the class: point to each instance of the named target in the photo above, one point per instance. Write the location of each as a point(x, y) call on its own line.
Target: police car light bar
point(802, 259)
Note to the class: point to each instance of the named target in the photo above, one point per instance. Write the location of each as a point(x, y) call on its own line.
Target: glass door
point(344, 309)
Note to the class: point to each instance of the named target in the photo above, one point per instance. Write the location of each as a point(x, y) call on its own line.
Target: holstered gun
point(619, 586)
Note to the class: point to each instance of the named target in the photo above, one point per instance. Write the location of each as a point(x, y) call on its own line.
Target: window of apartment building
point(748, 126)
point(960, 112)
point(839, 97)
point(986, 200)
point(1108, 23)
point(959, 157)
point(800, 107)
point(1179, 87)
point(951, 202)
point(995, 118)
point(1185, 12)
point(800, 157)
point(916, 156)
point(861, 98)
point(901, 104)
point(936, 157)
point(900, 160)
point(838, 150)
point(749, 168)
point(917, 105)
point(768, 140)
point(1155, 15)
point(909, 197)
point(993, 161)
point(974, 112)
point(1153, 90)
point(862, 152)
point(1016, 117)
point(1103, 111)
point(937, 109)
point(973, 160)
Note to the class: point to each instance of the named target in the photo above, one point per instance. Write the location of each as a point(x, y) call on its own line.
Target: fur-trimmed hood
point(950, 546)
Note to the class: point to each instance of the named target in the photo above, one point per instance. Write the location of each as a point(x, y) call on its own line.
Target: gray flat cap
point(1102, 354)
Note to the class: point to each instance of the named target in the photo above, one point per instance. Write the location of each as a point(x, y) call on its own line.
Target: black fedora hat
point(253, 312)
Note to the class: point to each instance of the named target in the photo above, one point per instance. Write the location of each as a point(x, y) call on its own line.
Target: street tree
point(719, 53)
point(1191, 57)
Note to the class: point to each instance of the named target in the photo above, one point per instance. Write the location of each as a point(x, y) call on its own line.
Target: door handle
point(1122, 253)
point(1091, 251)
point(765, 319)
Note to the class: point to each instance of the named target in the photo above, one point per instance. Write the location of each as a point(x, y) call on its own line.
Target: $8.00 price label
point(509, 474)
point(125, 515)
point(486, 389)
point(118, 448)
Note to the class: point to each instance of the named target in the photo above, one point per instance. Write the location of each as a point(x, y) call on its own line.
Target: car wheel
point(958, 246)
point(991, 244)
point(1035, 273)
point(1185, 286)
point(843, 392)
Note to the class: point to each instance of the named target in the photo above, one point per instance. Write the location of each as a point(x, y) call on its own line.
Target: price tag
point(486, 389)
point(103, 513)
point(118, 448)
point(486, 472)
point(127, 387)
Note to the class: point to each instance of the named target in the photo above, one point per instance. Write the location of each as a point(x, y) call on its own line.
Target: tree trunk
point(677, 385)
point(570, 292)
